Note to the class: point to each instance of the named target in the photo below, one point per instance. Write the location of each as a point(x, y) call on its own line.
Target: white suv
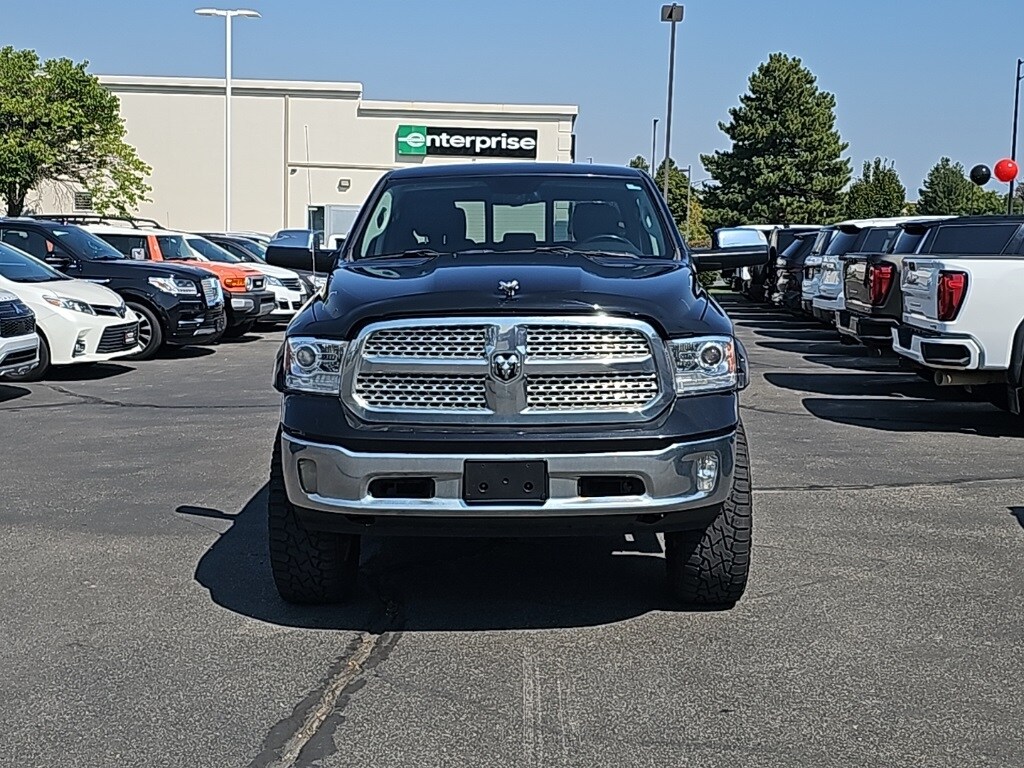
point(19, 343)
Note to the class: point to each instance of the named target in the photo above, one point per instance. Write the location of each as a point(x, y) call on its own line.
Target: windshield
point(174, 248)
point(211, 251)
point(486, 214)
point(733, 238)
point(86, 245)
point(19, 267)
point(252, 247)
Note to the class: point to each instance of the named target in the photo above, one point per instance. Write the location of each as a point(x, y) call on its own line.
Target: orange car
point(246, 299)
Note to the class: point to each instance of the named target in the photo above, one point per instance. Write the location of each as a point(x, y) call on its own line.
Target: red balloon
point(1006, 170)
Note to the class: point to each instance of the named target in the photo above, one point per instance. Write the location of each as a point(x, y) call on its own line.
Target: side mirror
point(720, 259)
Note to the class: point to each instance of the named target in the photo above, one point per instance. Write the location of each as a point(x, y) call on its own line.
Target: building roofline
point(318, 88)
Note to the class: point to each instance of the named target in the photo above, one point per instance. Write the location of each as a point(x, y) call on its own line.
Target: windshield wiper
point(412, 253)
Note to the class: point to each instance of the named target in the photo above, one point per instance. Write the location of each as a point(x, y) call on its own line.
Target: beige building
point(299, 146)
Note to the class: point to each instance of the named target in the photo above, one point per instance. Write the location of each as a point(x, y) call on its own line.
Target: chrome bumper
point(343, 480)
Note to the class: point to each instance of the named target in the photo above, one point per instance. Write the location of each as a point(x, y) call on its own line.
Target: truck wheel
point(309, 567)
point(709, 567)
point(151, 335)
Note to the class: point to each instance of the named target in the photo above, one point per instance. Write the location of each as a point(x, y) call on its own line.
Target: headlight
point(274, 281)
point(65, 302)
point(174, 285)
point(704, 364)
point(313, 365)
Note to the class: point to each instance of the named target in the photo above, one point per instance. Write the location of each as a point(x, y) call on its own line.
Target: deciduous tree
point(878, 193)
point(58, 124)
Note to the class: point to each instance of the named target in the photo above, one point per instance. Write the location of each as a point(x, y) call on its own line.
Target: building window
point(83, 201)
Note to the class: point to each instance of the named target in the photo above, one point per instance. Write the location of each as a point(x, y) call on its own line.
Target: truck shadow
point(916, 415)
point(894, 384)
point(10, 392)
point(445, 584)
point(94, 372)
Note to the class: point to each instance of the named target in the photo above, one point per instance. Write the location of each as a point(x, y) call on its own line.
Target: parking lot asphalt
point(883, 624)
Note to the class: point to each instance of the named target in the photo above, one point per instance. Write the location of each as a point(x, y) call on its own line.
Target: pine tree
point(678, 185)
point(640, 163)
point(878, 193)
point(948, 192)
point(785, 164)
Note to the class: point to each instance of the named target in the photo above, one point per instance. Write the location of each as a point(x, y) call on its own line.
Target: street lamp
point(229, 15)
point(672, 14)
point(654, 146)
point(1013, 144)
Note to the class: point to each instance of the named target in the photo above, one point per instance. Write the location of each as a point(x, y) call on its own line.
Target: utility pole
point(672, 14)
point(1013, 143)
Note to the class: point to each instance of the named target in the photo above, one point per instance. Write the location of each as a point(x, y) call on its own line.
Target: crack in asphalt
point(96, 400)
point(887, 486)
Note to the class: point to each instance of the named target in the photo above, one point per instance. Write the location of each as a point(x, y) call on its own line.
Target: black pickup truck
point(512, 349)
point(176, 304)
point(871, 286)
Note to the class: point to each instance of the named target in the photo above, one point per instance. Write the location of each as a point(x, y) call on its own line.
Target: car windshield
point(211, 251)
point(252, 247)
point(733, 238)
point(515, 212)
point(174, 248)
point(19, 267)
point(86, 245)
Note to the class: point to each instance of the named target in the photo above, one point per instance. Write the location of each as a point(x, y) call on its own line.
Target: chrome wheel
point(145, 332)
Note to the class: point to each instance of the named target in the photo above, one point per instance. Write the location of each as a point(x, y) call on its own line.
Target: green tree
point(878, 193)
point(948, 192)
point(58, 124)
point(678, 187)
point(785, 164)
point(640, 163)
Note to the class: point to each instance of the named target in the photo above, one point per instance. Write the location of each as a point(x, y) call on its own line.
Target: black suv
point(513, 349)
point(176, 304)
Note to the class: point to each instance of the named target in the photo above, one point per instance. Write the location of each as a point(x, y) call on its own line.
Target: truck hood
point(141, 269)
point(659, 291)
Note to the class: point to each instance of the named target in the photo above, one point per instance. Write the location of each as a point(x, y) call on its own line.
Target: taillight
point(880, 281)
point(952, 289)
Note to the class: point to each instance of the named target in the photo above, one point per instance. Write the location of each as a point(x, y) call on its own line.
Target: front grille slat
point(429, 342)
point(446, 392)
point(575, 343)
point(291, 283)
point(21, 326)
point(211, 292)
point(591, 392)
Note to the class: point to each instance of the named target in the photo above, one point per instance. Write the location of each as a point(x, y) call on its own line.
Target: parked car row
point(941, 293)
point(86, 289)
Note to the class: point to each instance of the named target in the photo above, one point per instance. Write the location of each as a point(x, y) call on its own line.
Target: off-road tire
point(708, 568)
point(309, 567)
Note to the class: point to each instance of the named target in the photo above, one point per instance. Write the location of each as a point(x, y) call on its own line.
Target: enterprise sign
point(413, 140)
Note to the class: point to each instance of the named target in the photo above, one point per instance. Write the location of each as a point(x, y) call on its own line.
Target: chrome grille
point(211, 291)
point(291, 283)
point(432, 342)
point(415, 391)
point(613, 391)
point(508, 370)
point(583, 342)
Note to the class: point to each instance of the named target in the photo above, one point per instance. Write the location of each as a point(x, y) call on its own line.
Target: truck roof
point(510, 169)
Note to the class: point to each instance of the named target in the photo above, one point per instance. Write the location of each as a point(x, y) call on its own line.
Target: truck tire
point(708, 568)
point(309, 567)
point(151, 334)
point(37, 373)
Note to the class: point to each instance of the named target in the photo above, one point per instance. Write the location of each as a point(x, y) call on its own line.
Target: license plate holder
point(505, 482)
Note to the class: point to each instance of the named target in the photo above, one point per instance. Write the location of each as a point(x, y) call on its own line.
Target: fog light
point(707, 472)
point(79, 348)
point(307, 475)
point(242, 304)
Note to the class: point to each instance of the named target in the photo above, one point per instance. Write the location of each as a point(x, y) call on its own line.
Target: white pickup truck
point(963, 318)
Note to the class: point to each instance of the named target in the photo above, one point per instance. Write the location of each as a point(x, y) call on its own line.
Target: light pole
point(228, 14)
point(1013, 143)
point(689, 191)
point(672, 14)
point(654, 147)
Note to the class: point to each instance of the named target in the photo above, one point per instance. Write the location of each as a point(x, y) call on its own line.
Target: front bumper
point(287, 303)
point(19, 354)
point(197, 325)
point(932, 350)
point(245, 306)
point(343, 479)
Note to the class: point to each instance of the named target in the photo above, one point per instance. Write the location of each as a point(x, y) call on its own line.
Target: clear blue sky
point(914, 79)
